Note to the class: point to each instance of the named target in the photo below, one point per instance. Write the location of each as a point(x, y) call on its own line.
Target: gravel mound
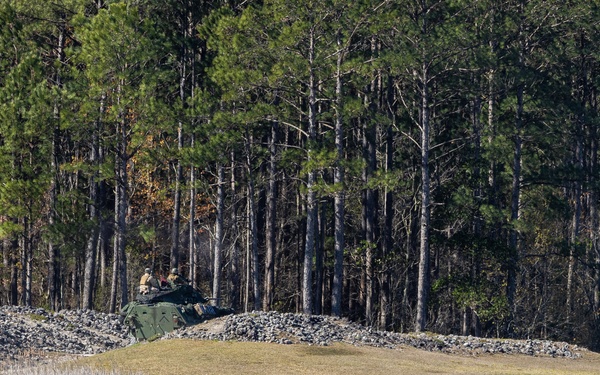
point(35, 335)
point(324, 330)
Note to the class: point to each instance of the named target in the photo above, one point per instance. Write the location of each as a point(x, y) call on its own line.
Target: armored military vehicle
point(154, 314)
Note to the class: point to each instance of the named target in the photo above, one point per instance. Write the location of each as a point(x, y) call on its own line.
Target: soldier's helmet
point(148, 270)
point(174, 271)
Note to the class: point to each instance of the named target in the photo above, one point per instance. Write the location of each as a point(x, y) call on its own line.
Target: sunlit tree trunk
point(192, 225)
point(174, 258)
point(423, 278)
point(115, 265)
point(89, 278)
point(218, 251)
point(235, 291)
point(253, 266)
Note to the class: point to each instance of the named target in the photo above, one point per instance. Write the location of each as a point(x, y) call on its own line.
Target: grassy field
point(210, 357)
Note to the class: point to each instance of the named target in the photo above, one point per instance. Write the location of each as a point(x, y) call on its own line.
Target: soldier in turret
point(148, 283)
point(176, 279)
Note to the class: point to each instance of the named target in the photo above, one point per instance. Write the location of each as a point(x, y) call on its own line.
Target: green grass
point(37, 317)
point(212, 357)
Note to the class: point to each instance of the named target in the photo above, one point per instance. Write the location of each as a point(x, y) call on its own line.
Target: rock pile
point(33, 333)
point(324, 330)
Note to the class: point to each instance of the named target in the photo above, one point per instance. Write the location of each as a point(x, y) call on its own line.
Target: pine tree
point(119, 52)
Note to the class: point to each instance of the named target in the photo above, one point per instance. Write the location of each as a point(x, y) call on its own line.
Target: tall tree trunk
point(590, 102)
point(271, 220)
point(319, 260)
point(89, 278)
point(369, 212)
point(514, 213)
point(53, 251)
point(515, 192)
point(311, 196)
point(476, 267)
point(248, 261)
point(216, 289)
point(493, 173)
point(387, 245)
point(22, 261)
point(14, 272)
point(195, 56)
point(340, 196)
point(471, 320)
point(114, 284)
point(234, 297)
point(253, 235)
point(121, 204)
point(369, 194)
point(174, 258)
point(122, 218)
point(492, 182)
point(192, 230)
point(595, 237)
point(27, 262)
point(423, 278)
point(105, 230)
point(575, 220)
point(94, 215)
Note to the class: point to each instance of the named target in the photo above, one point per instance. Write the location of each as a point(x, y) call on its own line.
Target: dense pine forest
point(413, 165)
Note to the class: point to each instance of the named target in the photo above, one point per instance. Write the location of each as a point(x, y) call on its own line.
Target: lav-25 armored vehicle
point(154, 314)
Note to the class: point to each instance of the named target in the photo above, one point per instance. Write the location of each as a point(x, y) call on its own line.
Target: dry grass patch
point(210, 357)
point(62, 369)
